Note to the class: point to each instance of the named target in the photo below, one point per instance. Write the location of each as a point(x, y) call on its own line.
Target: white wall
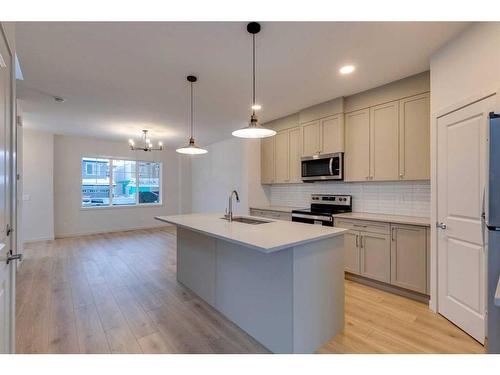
point(232, 164)
point(466, 66)
point(38, 186)
point(71, 219)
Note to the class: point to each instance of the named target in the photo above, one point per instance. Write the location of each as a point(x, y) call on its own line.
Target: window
point(115, 182)
point(95, 187)
point(149, 182)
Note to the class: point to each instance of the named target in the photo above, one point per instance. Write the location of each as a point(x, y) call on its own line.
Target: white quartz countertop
point(395, 219)
point(276, 208)
point(269, 237)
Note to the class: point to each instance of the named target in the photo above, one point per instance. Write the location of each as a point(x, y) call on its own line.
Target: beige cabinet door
point(375, 254)
point(357, 145)
point(384, 142)
point(351, 252)
point(310, 138)
point(281, 156)
point(414, 137)
point(332, 134)
point(294, 155)
point(267, 160)
point(409, 257)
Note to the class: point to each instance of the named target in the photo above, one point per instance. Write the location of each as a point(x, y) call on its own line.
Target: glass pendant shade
point(191, 149)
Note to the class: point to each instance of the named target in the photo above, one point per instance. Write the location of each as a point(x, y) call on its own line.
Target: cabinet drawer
point(362, 225)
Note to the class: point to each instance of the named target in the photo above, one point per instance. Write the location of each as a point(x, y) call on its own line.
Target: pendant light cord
point(191, 109)
point(253, 73)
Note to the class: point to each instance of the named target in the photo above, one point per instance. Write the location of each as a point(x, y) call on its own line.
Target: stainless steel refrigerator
point(492, 230)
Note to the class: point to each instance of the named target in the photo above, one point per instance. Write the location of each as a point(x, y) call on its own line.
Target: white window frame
point(111, 179)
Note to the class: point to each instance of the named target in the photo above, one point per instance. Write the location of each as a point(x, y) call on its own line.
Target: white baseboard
point(88, 233)
point(37, 239)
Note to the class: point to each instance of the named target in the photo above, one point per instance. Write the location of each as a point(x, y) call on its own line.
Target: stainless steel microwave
point(323, 167)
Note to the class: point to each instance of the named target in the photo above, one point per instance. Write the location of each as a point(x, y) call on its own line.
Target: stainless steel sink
point(248, 220)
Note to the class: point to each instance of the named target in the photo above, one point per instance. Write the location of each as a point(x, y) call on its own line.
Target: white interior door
point(6, 270)
point(462, 171)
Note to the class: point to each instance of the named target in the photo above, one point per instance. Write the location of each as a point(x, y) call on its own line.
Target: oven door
point(324, 167)
point(313, 219)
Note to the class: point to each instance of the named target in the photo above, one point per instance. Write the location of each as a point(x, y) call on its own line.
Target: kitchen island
point(282, 282)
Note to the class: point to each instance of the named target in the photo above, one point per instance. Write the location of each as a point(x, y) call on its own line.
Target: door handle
point(441, 225)
point(12, 257)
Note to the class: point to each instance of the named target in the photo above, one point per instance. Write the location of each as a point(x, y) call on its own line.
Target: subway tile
point(399, 198)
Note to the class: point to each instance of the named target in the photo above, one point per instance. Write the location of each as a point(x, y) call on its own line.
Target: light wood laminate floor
point(117, 293)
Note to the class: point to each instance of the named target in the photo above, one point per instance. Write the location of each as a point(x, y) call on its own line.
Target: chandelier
point(146, 144)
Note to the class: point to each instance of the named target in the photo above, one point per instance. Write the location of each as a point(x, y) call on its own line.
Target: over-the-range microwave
point(323, 167)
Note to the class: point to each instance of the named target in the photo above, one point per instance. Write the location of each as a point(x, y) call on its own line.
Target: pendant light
point(254, 129)
point(191, 148)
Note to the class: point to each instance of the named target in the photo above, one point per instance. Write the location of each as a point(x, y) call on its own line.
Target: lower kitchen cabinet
point(394, 254)
point(351, 252)
point(409, 257)
point(375, 254)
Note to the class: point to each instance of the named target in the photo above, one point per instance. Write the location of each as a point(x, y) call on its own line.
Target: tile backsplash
point(397, 197)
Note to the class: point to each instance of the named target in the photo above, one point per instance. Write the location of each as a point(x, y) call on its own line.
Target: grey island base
point(281, 282)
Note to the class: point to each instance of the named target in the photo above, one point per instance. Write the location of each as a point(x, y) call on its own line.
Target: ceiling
point(119, 78)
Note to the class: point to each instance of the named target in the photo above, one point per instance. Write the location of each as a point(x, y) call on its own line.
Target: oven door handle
point(313, 217)
point(330, 167)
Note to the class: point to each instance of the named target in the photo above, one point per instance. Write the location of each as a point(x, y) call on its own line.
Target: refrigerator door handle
point(483, 217)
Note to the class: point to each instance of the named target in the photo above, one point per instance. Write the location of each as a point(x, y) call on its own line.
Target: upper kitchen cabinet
point(310, 138)
point(387, 132)
point(267, 161)
point(294, 155)
point(280, 155)
point(357, 146)
point(323, 136)
point(384, 142)
point(322, 128)
point(332, 134)
point(414, 137)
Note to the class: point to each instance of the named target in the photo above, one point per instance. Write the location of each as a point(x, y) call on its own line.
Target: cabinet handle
point(361, 242)
point(357, 245)
point(392, 234)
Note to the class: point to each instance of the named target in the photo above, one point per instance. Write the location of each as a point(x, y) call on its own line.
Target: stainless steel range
point(323, 206)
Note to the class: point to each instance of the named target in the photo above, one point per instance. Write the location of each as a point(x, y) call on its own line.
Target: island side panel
point(196, 263)
point(318, 298)
point(254, 290)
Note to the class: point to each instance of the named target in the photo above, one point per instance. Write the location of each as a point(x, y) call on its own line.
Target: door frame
point(12, 181)
point(435, 115)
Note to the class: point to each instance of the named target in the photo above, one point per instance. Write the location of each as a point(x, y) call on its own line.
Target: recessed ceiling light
point(347, 69)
